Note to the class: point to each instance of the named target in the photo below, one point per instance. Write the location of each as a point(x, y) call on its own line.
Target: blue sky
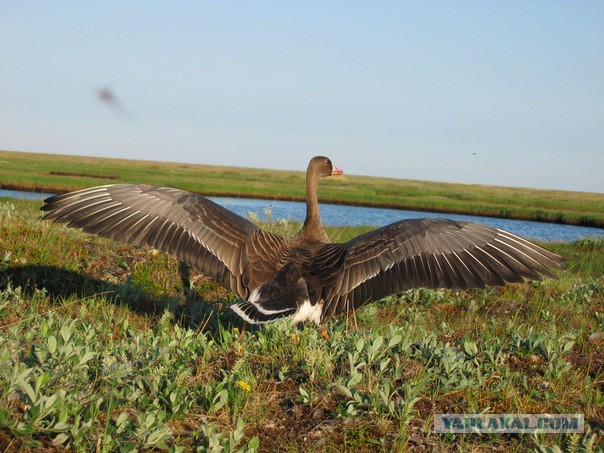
point(505, 93)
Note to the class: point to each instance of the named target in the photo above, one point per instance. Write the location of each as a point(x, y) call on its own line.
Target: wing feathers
point(185, 225)
point(429, 253)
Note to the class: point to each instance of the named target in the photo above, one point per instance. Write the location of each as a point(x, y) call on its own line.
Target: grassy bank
point(104, 346)
point(55, 173)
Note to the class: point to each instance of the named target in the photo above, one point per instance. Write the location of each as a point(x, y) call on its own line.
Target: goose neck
point(313, 226)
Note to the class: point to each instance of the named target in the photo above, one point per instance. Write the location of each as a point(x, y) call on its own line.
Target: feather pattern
point(190, 227)
point(427, 253)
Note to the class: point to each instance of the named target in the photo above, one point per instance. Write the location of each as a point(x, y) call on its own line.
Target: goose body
point(305, 276)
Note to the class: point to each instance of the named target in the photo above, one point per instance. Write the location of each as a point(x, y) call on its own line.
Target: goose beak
point(336, 171)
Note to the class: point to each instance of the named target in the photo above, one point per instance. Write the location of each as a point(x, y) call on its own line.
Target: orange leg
point(243, 329)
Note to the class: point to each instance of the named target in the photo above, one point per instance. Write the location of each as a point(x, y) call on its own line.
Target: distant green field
point(60, 173)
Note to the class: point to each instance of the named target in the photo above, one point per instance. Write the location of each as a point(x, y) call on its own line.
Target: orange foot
point(325, 334)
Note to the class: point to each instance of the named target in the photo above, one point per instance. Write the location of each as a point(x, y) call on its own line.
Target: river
point(340, 215)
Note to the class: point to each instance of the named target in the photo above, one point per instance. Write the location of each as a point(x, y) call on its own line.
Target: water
point(22, 194)
point(339, 215)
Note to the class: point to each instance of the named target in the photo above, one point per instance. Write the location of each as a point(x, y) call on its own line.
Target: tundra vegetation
point(58, 173)
point(104, 346)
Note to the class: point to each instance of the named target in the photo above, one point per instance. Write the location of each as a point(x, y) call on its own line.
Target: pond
point(340, 215)
point(23, 194)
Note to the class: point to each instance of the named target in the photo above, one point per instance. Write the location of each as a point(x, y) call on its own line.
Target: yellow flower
point(244, 386)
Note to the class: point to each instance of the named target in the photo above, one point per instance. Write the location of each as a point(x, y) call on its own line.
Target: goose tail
point(255, 314)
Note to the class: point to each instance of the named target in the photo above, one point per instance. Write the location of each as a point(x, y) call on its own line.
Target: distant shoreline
point(51, 173)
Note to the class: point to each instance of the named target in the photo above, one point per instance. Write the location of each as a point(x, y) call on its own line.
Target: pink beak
point(336, 171)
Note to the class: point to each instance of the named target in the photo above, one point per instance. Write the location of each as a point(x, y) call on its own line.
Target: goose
point(304, 277)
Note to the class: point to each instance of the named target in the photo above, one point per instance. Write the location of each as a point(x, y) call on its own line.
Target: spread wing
point(214, 240)
point(424, 253)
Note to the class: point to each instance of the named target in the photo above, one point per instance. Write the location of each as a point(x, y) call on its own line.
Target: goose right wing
point(428, 253)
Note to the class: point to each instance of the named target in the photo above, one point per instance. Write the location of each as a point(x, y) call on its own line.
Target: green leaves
point(52, 344)
point(128, 372)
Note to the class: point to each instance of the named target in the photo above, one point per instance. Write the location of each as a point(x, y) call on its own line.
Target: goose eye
point(327, 161)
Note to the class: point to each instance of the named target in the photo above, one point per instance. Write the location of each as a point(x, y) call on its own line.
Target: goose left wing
point(214, 240)
point(428, 253)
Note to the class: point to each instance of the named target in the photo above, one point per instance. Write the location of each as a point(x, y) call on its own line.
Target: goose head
point(321, 166)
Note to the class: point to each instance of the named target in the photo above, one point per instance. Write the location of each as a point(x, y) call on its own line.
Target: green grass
point(104, 346)
point(59, 173)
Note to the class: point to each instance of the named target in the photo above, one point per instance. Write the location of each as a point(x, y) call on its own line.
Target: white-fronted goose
point(304, 276)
